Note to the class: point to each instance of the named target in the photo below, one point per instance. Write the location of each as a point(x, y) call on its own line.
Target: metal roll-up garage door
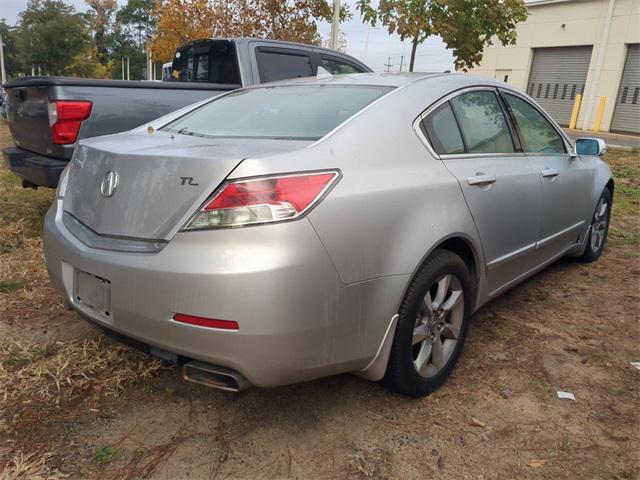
point(626, 116)
point(557, 75)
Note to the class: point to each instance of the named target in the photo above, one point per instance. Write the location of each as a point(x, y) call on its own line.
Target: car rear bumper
point(297, 320)
point(36, 169)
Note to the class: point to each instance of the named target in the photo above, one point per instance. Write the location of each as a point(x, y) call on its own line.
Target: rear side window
point(538, 135)
point(441, 129)
point(484, 127)
point(299, 112)
point(207, 62)
point(337, 67)
point(280, 65)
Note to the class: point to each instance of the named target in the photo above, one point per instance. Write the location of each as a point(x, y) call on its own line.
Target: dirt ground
point(73, 405)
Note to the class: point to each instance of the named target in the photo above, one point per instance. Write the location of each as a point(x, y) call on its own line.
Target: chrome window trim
point(480, 155)
point(497, 90)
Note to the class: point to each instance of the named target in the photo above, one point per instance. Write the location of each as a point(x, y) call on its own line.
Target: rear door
point(566, 179)
point(472, 135)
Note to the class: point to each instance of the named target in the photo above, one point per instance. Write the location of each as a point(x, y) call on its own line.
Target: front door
point(565, 202)
point(501, 189)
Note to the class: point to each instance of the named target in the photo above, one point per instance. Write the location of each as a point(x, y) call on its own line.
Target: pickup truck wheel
point(432, 326)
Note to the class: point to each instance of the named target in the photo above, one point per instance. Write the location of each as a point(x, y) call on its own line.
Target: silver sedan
point(319, 226)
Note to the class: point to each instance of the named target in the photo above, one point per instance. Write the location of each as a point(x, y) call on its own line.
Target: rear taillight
point(262, 200)
point(65, 119)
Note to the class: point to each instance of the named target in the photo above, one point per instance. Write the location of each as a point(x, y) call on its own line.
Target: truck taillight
point(65, 119)
point(263, 200)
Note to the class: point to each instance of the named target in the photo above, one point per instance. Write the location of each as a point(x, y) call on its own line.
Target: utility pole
point(388, 65)
point(3, 73)
point(122, 62)
point(148, 61)
point(401, 61)
point(366, 45)
point(335, 25)
point(128, 76)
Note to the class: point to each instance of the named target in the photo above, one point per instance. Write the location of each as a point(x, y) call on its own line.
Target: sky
point(431, 56)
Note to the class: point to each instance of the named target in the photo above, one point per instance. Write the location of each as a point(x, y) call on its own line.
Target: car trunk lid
point(162, 178)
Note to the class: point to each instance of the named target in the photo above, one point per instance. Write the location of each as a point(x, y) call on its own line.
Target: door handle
point(481, 179)
point(550, 172)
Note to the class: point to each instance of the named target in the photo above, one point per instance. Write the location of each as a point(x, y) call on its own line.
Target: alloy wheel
point(599, 225)
point(438, 325)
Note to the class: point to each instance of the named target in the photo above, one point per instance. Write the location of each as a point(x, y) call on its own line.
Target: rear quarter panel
point(395, 202)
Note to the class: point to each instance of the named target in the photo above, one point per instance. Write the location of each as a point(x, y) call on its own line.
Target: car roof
point(389, 79)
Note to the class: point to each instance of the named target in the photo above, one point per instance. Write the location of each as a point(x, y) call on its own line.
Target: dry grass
point(29, 467)
point(24, 285)
point(53, 373)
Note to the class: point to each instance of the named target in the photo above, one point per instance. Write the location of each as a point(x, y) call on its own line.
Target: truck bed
point(117, 105)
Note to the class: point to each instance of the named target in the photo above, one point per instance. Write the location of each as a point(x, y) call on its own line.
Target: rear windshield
point(289, 112)
point(206, 62)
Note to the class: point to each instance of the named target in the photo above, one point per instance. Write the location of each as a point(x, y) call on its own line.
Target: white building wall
point(570, 23)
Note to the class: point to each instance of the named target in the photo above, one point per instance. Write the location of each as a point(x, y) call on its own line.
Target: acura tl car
point(313, 227)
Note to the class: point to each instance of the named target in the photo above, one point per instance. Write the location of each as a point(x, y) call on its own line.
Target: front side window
point(538, 135)
point(300, 112)
point(442, 130)
point(336, 67)
point(280, 65)
point(482, 121)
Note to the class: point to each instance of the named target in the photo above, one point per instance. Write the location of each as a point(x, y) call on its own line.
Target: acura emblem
point(109, 184)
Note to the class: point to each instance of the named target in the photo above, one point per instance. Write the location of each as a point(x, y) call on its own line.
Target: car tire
point(428, 340)
point(599, 228)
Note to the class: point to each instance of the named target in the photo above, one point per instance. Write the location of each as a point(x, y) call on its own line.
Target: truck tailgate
point(29, 121)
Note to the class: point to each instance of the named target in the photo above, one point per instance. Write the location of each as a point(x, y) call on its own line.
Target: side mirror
point(591, 146)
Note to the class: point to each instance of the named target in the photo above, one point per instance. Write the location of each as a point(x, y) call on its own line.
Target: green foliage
point(7, 286)
point(12, 63)
point(50, 33)
point(466, 26)
point(137, 20)
point(105, 455)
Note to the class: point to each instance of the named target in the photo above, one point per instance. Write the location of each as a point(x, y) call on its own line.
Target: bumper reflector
point(206, 322)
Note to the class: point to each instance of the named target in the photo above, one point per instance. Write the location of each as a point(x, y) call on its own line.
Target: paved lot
point(71, 403)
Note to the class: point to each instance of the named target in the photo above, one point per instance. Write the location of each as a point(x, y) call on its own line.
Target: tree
point(49, 35)
point(101, 16)
point(86, 63)
point(12, 63)
point(466, 26)
point(181, 21)
point(138, 20)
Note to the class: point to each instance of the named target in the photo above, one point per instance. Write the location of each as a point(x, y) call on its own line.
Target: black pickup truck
point(48, 115)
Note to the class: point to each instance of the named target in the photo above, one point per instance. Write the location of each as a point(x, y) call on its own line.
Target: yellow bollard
point(575, 111)
point(599, 113)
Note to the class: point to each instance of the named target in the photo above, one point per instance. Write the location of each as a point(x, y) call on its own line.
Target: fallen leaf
point(537, 463)
point(477, 423)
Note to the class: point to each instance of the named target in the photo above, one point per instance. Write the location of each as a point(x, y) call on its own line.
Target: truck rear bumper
point(36, 169)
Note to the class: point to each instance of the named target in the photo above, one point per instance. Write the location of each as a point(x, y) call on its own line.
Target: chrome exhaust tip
point(216, 377)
